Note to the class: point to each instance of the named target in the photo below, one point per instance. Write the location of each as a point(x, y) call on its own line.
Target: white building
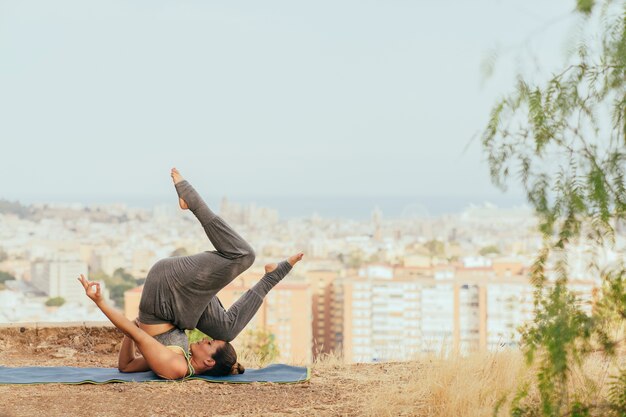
point(58, 278)
point(381, 320)
point(509, 305)
point(437, 317)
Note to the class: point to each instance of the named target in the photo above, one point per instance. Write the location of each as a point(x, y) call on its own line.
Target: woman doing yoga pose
point(180, 293)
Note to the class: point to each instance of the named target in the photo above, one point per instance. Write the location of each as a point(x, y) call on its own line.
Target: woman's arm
point(160, 359)
point(127, 361)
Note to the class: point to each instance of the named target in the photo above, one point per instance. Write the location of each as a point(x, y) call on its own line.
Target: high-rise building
point(509, 304)
point(467, 317)
point(437, 315)
point(381, 319)
point(463, 310)
point(323, 310)
point(57, 278)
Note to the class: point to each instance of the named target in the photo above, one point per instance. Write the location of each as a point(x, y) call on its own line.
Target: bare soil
point(334, 389)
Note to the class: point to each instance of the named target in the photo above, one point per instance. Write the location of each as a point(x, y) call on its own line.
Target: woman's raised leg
point(224, 238)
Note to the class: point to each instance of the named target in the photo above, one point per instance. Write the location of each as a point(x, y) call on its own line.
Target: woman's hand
point(92, 289)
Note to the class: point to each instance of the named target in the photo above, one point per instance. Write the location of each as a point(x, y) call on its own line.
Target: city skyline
point(349, 208)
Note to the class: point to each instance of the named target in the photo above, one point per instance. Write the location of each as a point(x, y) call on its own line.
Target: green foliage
point(585, 6)
point(489, 250)
point(117, 293)
point(120, 275)
point(55, 302)
point(354, 259)
point(555, 333)
point(262, 343)
point(617, 395)
point(118, 284)
point(196, 335)
point(435, 248)
point(5, 276)
point(565, 142)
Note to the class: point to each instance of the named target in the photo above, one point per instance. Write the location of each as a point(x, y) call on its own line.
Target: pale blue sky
point(101, 98)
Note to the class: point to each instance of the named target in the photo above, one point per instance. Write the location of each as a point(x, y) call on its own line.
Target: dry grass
point(475, 385)
point(447, 386)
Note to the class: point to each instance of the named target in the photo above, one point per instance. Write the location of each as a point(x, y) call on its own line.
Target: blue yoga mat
point(277, 373)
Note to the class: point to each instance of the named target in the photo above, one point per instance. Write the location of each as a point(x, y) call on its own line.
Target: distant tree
point(453, 258)
point(121, 275)
point(354, 259)
point(489, 250)
point(55, 302)
point(179, 252)
point(13, 207)
point(118, 284)
point(436, 248)
point(5, 276)
point(3, 255)
point(376, 257)
point(261, 343)
point(117, 293)
point(565, 142)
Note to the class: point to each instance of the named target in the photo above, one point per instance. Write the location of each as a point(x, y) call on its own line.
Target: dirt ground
point(334, 388)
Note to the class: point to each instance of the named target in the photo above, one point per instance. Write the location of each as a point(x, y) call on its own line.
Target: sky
point(99, 99)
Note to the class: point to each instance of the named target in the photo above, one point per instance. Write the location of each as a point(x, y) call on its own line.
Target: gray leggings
point(182, 290)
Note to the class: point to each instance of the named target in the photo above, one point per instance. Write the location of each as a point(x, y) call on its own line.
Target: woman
point(180, 293)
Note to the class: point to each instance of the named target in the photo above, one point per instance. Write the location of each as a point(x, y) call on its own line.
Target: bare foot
point(295, 258)
point(178, 178)
point(292, 260)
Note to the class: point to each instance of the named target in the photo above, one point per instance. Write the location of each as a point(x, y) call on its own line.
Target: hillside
point(427, 387)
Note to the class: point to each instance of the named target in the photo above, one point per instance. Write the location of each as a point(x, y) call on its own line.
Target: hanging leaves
point(569, 153)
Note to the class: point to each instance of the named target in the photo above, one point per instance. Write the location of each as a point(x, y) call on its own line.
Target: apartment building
point(380, 319)
point(461, 311)
point(57, 278)
point(323, 310)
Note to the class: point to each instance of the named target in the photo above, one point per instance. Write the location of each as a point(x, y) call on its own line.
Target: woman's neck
point(197, 367)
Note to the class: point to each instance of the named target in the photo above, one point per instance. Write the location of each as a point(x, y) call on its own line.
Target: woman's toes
point(296, 258)
point(176, 176)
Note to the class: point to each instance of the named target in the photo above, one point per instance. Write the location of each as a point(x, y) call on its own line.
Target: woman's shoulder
point(178, 367)
point(177, 349)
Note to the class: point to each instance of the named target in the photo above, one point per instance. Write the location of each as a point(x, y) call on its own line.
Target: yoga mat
point(277, 373)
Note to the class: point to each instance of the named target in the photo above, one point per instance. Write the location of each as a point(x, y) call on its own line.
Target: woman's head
point(215, 357)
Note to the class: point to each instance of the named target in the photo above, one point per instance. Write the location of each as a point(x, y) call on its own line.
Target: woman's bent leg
point(224, 324)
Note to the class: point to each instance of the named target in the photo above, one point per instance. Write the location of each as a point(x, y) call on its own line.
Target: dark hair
point(225, 362)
